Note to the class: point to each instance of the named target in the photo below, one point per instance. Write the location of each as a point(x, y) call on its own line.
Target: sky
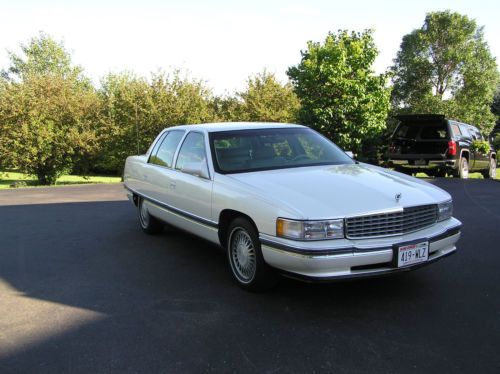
point(221, 42)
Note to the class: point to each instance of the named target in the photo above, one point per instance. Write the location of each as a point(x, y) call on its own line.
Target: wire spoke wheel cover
point(242, 255)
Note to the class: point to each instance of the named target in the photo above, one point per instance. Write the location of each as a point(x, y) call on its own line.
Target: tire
point(441, 173)
point(244, 254)
point(149, 224)
point(463, 170)
point(491, 173)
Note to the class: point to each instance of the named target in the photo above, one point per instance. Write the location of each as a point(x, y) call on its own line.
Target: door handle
point(172, 185)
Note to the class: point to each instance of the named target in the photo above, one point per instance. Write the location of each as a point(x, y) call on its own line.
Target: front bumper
point(339, 259)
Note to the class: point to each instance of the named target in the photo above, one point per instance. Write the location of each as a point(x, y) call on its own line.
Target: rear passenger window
point(165, 154)
point(156, 146)
point(455, 130)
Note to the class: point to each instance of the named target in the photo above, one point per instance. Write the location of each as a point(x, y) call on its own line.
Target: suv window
point(192, 150)
point(465, 131)
point(165, 153)
point(407, 131)
point(476, 133)
point(433, 132)
point(455, 130)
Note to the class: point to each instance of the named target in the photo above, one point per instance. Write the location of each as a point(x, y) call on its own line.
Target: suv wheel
point(441, 173)
point(463, 171)
point(492, 170)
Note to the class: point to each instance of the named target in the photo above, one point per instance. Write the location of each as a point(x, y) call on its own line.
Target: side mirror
point(199, 169)
point(350, 154)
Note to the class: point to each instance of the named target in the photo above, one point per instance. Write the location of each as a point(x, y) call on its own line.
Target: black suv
point(438, 146)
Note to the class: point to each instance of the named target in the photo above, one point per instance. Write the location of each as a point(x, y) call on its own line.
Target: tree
point(267, 100)
point(446, 67)
point(42, 56)
point(228, 108)
point(264, 99)
point(341, 96)
point(47, 111)
point(134, 110)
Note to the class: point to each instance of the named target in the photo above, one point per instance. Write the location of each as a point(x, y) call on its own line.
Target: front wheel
point(148, 223)
point(244, 255)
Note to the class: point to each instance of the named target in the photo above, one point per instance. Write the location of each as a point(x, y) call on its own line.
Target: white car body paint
point(194, 204)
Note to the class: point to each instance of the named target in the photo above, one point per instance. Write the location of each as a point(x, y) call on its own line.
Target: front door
point(192, 192)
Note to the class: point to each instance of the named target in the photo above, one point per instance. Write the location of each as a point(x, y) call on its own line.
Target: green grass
point(9, 177)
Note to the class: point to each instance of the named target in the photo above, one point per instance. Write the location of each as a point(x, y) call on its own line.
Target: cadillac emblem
point(398, 197)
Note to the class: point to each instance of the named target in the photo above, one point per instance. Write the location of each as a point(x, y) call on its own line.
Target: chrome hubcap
point(465, 169)
point(242, 253)
point(143, 214)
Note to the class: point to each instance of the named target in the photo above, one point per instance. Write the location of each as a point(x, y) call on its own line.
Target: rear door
point(141, 182)
point(160, 165)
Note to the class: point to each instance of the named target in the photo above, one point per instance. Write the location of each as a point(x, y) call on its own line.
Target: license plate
point(411, 254)
point(420, 162)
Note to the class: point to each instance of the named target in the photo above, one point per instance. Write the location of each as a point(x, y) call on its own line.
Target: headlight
point(310, 230)
point(445, 210)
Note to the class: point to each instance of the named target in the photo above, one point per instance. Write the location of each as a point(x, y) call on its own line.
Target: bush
point(481, 146)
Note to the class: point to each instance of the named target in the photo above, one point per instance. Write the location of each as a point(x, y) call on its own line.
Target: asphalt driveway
point(82, 289)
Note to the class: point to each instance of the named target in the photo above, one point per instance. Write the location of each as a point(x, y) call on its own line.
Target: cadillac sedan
point(281, 198)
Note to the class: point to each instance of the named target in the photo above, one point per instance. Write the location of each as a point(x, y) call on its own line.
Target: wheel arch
point(466, 153)
point(225, 218)
point(135, 199)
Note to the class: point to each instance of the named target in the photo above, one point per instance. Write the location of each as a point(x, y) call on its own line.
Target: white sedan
point(281, 198)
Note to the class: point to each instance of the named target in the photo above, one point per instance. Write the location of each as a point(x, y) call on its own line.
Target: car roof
point(229, 126)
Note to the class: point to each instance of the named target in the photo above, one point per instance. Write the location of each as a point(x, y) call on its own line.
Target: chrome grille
point(388, 224)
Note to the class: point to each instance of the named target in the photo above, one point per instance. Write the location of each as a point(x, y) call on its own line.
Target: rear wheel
point(441, 173)
point(492, 170)
point(148, 223)
point(245, 258)
point(463, 171)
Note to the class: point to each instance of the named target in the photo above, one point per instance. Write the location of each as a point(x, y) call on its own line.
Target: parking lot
point(82, 289)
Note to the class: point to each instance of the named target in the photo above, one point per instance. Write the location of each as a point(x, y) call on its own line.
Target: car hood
point(340, 191)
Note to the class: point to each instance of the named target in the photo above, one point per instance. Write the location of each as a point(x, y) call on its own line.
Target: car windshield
point(266, 149)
